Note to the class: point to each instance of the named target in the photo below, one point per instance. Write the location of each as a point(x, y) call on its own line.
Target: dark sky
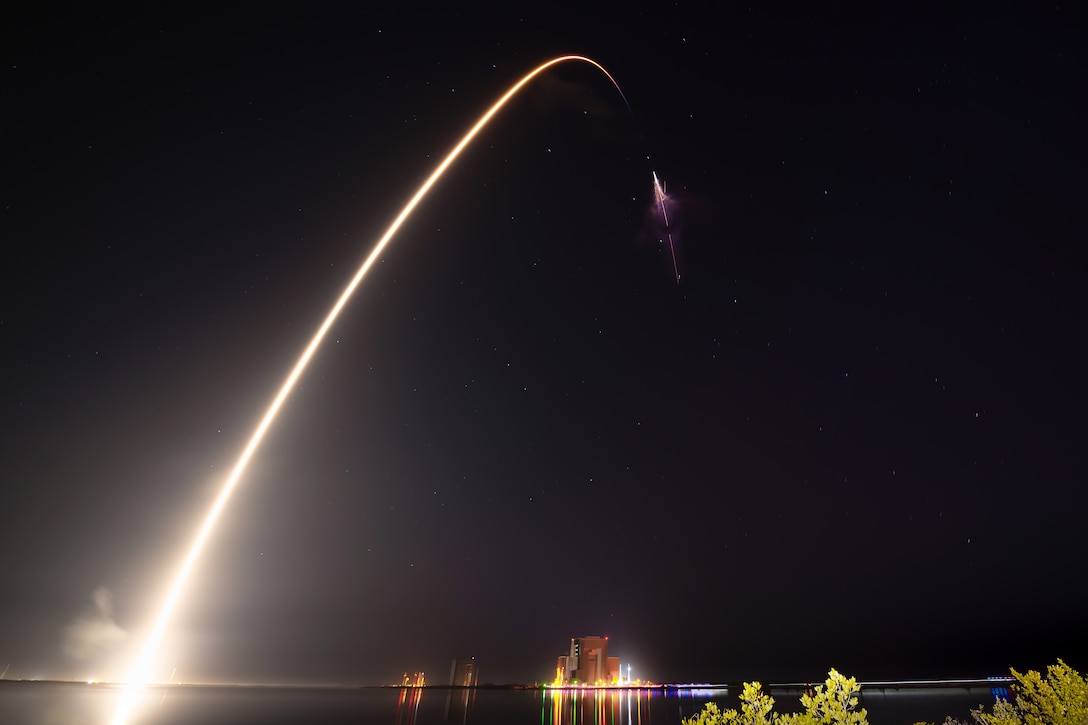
point(852, 436)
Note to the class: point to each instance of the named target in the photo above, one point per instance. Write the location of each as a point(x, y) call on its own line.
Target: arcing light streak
point(659, 197)
point(141, 673)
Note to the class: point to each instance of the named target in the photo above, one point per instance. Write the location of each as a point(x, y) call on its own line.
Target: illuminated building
point(588, 663)
point(463, 673)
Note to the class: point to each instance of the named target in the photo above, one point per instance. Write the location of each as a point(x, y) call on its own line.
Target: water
point(75, 704)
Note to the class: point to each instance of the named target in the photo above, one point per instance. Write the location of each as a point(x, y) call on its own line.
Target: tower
point(588, 662)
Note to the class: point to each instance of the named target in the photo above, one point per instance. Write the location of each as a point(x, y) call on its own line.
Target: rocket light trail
point(660, 198)
point(141, 673)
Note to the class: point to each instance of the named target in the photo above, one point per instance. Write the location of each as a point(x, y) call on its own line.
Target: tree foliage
point(832, 703)
point(756, 708)
point(1060, 698)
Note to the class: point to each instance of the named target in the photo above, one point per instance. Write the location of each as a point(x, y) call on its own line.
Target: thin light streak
point(660, 197)
point(141, 672)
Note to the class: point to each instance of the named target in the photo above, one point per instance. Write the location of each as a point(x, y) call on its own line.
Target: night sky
point(852, 436)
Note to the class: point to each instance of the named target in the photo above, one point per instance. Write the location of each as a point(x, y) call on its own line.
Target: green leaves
point(1059, 699)
point(711, 715)
point(756, 707)
point(832, 703)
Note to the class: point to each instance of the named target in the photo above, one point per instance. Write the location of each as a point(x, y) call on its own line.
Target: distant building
point(463, 673)
point(416, 680)
point(588, 663)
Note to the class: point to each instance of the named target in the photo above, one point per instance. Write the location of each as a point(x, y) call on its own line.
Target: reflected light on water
point(606, 705)
point(408, 705)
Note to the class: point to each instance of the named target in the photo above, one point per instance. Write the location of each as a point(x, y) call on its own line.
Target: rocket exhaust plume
point(660, 198)
point(141, 673)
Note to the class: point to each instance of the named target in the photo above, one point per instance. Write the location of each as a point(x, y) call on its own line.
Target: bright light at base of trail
point(141, 673)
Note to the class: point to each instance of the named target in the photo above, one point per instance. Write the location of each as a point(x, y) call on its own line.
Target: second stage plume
point(660, 200)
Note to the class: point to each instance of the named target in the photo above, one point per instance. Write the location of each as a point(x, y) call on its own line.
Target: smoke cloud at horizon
point(96, 634)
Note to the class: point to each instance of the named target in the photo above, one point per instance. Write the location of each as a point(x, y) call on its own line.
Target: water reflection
point(458, 702)
point(605, 706)
point(408, 705)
